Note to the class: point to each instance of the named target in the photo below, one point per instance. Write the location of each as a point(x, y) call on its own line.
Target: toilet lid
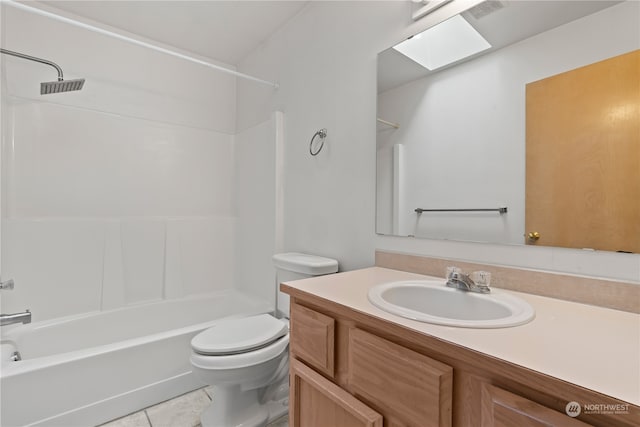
point(239, 335)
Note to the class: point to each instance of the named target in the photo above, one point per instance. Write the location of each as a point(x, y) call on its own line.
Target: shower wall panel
point(258, 205)
point(118, 194)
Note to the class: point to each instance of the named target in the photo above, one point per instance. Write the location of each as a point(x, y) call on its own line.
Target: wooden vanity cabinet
point(377, 376)
point(350, 369)
point(314, 399)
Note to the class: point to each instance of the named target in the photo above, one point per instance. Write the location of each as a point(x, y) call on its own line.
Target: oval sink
point(432, 301)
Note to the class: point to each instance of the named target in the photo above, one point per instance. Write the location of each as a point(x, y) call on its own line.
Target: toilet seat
point(234, 336)
point(241, 360)
point(238, 343)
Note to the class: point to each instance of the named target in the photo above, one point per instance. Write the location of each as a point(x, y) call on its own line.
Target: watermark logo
point(605, 408)
point(573, 409)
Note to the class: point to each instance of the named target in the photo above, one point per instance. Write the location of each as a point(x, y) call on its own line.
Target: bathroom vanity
point(353, 364)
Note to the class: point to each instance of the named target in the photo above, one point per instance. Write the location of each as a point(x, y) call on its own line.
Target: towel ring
point(322, 133)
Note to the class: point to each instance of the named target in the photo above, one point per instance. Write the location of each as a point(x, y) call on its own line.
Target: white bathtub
point(89, 369)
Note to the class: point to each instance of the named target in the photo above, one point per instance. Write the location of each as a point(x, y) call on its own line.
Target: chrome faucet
point(457, 279)
point(8, 319)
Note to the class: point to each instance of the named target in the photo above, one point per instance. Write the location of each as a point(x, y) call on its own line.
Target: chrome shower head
point(46, 88)
point(61, 86)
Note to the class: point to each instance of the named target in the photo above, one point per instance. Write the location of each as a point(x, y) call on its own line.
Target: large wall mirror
point(531, 138)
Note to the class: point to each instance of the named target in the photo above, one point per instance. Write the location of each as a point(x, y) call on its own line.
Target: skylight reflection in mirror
point(443, 44)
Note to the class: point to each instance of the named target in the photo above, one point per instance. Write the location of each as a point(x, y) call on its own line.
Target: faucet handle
point(452, 270)
point(482, 278)
point(7, 284)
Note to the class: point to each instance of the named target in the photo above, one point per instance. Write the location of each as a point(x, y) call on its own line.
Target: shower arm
point(35, 59)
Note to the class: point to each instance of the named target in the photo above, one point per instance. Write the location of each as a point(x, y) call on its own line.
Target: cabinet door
point(408, 388)
point(503, 409)
point(312, 338)
point(317, 402)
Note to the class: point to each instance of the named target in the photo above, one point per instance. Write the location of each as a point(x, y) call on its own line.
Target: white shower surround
point(127, 353)
point(123, 224)
point(89, 369)
point(119, 194)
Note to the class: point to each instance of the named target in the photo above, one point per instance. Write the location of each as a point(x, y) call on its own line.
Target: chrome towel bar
point(502, 210)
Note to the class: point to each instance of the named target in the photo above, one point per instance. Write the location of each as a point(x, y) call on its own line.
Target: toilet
point(246, 360)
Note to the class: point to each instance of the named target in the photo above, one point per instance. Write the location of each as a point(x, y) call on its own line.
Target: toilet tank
point(295, 266)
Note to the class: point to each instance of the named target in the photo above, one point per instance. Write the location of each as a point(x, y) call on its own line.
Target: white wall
point(312, 58)
point(454, 165)
point(325, 62)
point(118, 194)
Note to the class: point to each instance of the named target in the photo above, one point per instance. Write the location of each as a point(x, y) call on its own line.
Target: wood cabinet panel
point(317, 402)
point(500, 408)
point(312, 338)
point(411, 388)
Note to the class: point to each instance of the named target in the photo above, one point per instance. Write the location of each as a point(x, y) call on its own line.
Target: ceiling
point(501, 23)
point(226, 31)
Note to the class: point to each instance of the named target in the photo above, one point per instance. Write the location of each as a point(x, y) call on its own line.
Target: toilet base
point(232, 407)
point(278, 409)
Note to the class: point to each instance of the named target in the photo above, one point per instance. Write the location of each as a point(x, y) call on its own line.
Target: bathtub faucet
point(8, 319)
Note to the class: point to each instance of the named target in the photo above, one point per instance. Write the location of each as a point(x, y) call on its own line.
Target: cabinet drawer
point(501, 408)
point(408, 388)
point(312, 338)
point(317, 402)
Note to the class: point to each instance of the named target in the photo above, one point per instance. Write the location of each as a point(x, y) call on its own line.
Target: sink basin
point(432, 301)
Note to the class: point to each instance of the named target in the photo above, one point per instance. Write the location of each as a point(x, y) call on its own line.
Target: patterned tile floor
point(182, 411)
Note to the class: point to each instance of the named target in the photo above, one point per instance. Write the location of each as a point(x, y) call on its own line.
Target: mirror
point(452, 142)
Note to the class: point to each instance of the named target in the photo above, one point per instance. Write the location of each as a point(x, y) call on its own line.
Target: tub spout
point(8, 319)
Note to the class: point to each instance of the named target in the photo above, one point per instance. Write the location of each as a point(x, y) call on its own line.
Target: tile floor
point(182, 411)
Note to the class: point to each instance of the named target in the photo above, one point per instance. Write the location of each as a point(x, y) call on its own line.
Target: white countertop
point(593, 347)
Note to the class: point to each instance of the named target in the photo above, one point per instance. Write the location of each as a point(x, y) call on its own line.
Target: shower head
point(46, 88)
point(61, 86)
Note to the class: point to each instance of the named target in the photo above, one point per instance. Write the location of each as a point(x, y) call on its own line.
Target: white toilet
point(246, 360)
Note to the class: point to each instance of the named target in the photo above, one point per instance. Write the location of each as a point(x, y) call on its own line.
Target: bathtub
point(86, 370)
